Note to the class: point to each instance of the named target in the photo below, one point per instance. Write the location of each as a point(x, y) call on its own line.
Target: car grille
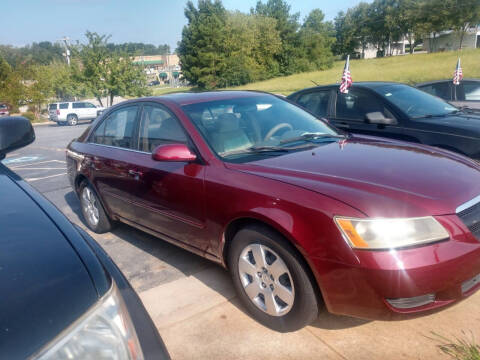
point(471, 218)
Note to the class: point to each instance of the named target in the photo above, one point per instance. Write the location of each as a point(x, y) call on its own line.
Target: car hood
point(379, 177)
point(44, 284)
point(468, 122)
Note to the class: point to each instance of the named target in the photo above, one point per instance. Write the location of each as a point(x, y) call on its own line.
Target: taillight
point(58, 112)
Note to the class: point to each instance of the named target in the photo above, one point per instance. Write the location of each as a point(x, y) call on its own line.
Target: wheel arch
point(235, 225)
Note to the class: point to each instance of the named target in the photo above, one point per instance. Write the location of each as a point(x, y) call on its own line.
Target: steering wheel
point(275, 129)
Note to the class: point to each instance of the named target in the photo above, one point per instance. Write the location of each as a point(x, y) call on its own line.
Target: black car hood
point(44, 285)
point(464, 124)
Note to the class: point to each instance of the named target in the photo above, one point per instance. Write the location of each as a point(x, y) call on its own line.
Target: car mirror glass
point(377, 117)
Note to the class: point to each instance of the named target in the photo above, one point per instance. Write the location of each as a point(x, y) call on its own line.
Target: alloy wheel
point(90, 206)
point(266, 279)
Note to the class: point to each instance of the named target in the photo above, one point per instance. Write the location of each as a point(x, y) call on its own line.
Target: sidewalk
point(199, 317)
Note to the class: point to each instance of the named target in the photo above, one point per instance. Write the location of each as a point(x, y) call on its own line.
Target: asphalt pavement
point(192, 301)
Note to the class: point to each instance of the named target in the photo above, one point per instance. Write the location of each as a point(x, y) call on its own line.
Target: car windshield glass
point(415, 103)
point(258, 124)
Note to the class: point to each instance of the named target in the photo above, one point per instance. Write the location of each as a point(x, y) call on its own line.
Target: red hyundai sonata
point(299, 212)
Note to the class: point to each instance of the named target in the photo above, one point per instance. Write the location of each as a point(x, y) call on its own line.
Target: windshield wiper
point(257, 149)
point(311, 136)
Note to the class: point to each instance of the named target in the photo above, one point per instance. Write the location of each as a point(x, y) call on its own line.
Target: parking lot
point(194, 306)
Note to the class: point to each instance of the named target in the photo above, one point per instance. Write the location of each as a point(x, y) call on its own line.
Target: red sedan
point(298, 211)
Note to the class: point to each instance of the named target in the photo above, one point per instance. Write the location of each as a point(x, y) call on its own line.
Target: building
point(393, 49)
point(163, 68)
point(450, 40)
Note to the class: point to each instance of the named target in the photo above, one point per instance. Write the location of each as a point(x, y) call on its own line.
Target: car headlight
point(390, 233)
point(104, 332)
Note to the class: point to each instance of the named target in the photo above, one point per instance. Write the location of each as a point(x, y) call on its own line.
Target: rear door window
point(52, 107)
point(78, 105)
point(117, 129)
point(316, 102)
point(64, 106)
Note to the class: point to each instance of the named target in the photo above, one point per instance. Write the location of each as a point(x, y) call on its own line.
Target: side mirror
point(173, 152)
point(15, 132)
point(378, 118)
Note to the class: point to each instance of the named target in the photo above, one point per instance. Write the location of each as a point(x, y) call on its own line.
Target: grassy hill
point(409, 69)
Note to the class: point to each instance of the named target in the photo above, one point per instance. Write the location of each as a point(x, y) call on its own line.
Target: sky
point(148, 21)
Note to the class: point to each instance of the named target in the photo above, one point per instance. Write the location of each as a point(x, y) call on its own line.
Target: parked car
point(395, 111)
point(466, 95)
point(154, 83)
point(62, 296)
point(298, 211)
point(4, 110)
point(72, 112)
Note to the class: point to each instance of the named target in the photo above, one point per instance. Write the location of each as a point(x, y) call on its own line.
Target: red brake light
point(58, 112)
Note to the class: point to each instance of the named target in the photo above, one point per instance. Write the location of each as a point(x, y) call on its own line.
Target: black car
point(465, 95)
point(61, 296)
point(396, 111)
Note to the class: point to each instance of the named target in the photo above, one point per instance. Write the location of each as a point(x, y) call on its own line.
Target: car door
point(110, 158)
point(170, 195)
point(90, 111)
point(351, 109)
point(468, 94)
point(79, 110)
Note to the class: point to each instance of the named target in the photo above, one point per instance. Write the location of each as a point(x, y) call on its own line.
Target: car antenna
point(314, 83)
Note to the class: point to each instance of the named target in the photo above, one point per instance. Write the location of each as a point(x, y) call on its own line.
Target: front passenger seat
point(229, 136)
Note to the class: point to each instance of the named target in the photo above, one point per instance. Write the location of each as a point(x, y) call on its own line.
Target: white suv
point(72, 112)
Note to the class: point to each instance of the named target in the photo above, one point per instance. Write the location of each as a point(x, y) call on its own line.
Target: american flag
point(458, 74)
point(346, 77)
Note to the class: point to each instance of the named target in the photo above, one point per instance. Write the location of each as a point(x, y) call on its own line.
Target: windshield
point(242, 126)
point(415, 103)
point(3, 106)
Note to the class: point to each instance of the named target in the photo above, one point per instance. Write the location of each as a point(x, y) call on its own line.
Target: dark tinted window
point(64, 106)
point(52, 107)
point(414, 102)
point(159, 127)
point(89, 105)
point(442, 90)
point(472, 90)
point(78, 105)
point(117, 129)
point(316, 102)
point(357, 104)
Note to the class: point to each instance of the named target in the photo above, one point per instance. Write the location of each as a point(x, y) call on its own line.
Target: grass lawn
point(409, 69)
point(162, 90)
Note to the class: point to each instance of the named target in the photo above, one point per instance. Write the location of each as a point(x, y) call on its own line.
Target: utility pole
point(65, 43)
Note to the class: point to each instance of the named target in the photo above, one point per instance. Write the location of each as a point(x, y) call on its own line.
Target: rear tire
point(72, 120)
point(271, 280)
point(92, 210)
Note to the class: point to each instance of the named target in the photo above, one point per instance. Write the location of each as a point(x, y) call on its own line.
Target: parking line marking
point(27, 168)
point(44, 177)
point(37, 163)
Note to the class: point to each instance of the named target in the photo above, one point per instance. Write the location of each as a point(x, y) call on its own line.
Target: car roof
point(444, 80)
point(184, 98)
point(363, 84)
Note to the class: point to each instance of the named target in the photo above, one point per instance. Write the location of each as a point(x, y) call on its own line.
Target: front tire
point(92, 210)
point(271, 280)
point(72, 120)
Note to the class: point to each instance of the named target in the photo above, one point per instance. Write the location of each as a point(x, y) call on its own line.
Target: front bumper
point(445, 269)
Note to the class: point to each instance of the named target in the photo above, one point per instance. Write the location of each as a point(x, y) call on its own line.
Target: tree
point(107, 74)
point(201, 49)
point(287, 26)
point(463, 15)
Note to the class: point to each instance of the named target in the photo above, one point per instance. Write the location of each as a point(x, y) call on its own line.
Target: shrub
point(30, 116)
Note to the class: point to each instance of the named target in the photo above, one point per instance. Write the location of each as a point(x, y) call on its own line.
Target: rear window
point(3, 106)
point(64, 106)
point(52, 107)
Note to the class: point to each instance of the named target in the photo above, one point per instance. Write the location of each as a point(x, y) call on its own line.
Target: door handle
point(342, 124)
point(135, 174)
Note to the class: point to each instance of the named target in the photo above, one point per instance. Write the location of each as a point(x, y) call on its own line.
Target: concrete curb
point(43, 123)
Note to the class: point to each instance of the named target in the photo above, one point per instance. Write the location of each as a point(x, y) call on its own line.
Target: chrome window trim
point(468, 204)
point(120, 148)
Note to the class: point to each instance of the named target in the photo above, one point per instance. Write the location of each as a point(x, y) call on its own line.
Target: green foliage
point(106, 74)
point(221, 48)
point(134, 49)
point(30, 115)
point(464, 348)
